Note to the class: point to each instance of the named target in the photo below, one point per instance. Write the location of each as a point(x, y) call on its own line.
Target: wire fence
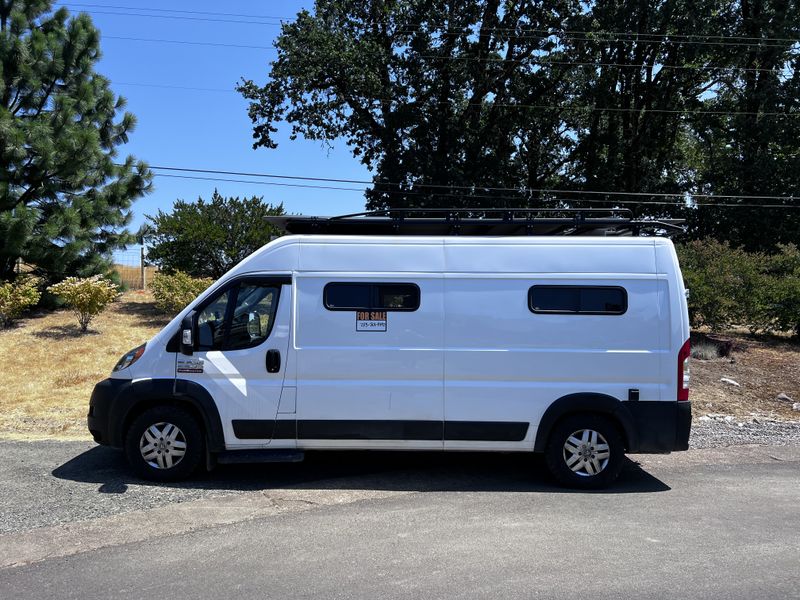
point(133, 270)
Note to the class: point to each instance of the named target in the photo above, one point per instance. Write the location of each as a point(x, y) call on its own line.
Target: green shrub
point(173, 292)
point(16, 296)
point(87, 297)
point(728, 286)
point(783, 302)
point(723, 283)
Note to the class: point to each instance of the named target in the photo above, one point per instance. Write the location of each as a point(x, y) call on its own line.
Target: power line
point(172, 10)
point(533, 60)
point(463, 196)
point(180, 18)
point(175, 87)
point(546, 32)
point(466, 187)
point(585, 108)
point(543, 34)
point(187, 42)
point(272, 183)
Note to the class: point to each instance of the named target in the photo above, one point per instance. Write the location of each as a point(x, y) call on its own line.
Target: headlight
point(130, 358)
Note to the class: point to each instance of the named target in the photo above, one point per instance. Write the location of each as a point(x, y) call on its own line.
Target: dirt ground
point(763, 366)
point(50, 369)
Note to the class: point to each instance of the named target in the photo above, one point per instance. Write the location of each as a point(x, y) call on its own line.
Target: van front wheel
point(585, 452)
point(164, 443)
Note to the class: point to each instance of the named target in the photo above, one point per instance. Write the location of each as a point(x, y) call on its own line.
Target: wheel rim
point(162, 445)
point(586, 452)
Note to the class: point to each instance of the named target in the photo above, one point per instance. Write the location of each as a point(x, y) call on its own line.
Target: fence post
point(142, 267)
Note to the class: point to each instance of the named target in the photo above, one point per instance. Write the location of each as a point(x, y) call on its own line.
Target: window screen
point(576, 299)
point(371, 296)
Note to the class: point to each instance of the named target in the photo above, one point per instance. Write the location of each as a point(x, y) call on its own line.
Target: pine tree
point(64, 197)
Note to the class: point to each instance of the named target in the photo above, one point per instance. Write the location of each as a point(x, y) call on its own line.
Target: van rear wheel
point(585, 451)
point(164, 443)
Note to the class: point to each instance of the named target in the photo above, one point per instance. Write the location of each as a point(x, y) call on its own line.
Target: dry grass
point(50, 368)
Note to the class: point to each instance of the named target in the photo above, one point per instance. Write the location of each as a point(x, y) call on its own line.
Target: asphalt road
point(702, 524)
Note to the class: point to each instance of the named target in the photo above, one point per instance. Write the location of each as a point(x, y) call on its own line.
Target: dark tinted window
point(344, 296)
point(575, 299)
point(603, 300)
point(371, 296)
point(396, 296)
point(246, 323)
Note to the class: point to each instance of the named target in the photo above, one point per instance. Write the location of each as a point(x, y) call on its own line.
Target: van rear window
point(371, 296)
point(578, 299)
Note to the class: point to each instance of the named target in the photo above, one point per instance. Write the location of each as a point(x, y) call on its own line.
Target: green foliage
point(729, 286)
point(16, 296)
point(447, 102)
point(427, 94)
point(174, 292)
point(206, 239)
point(87, 297)
point(64, 196)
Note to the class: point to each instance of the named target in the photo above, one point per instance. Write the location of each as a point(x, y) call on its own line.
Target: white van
point(574, 346)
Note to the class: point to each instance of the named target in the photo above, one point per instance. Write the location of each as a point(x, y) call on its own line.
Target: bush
point(728, 286)
point(174, 292)
point(87, 297)
point(16, 296)
point(722, 283)
point(783, 305)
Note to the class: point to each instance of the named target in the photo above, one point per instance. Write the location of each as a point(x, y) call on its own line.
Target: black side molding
point(478, 431)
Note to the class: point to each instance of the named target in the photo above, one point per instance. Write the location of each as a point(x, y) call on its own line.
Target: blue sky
point(204, 129)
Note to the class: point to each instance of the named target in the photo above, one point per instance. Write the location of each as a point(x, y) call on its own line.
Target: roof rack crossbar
point(482, 222)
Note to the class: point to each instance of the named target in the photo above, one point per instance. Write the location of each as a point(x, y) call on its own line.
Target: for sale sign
point(371, 320)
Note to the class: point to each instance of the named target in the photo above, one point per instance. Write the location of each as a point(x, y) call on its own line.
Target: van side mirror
point(188, 328)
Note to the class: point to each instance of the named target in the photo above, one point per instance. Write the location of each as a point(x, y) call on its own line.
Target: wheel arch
point(587, 402)
point(194, 398)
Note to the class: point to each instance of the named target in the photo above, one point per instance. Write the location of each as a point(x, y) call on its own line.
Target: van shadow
point(350, 470)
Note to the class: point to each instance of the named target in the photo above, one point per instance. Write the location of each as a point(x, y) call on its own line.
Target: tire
point(164, 443)
point(585, 451)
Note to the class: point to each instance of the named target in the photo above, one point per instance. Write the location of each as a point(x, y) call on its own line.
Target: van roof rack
point(482, 222)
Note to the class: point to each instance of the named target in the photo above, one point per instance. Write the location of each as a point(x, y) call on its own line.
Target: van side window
point(578, 299)
point(211, 323)
point(241, 317)
point(253, 315)
point(371, 296)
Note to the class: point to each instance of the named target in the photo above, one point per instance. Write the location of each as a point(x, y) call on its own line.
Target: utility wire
point(466, 187)
point(175, 87)
point(173, 10)
point(532, 60)
point(463, 196)
point(510, 105)
point(187, 42)
point(520, 26)
point(588, 36)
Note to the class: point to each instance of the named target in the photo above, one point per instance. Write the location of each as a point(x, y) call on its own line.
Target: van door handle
point(273, 361)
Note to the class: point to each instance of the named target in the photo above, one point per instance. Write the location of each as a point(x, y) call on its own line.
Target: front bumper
point(101, 405)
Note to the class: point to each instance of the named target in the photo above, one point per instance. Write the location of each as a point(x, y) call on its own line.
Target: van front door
point(240, 355)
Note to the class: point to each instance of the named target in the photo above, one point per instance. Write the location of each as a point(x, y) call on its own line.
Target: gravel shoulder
point(723, 431)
